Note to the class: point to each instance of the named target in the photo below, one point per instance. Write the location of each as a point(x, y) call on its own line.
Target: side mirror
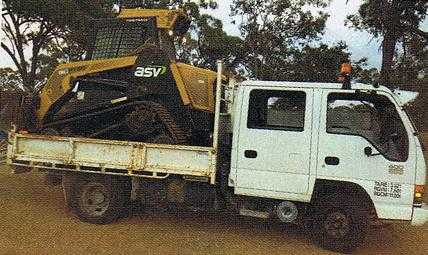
point(368, 151)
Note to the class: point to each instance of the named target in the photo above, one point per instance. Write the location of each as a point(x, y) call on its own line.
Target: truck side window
point(371, 116)
point(277, 110)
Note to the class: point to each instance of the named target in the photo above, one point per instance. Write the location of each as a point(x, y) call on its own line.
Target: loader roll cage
point(113, 38)
point(133, 28)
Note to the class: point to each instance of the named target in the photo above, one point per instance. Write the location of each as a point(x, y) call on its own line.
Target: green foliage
point(10, 80)
point(33, 27)
point(279, 39)
point(411, 73)
point(42, 34)
point(316, 64)
point(273, 31)
point(395, 22)
point(410, 65)
point(380, 16)
point(207, 43)
point(418, 109)
point(364, 75)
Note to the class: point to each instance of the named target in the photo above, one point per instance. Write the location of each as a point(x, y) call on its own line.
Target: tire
point(95, 199)
point(339, 224)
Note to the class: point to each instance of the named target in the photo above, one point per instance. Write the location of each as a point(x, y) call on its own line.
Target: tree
point(273, 31)
point(10, 80)
point(42, 34)
point(23, 31)
point(320, 63)
point(31, 27)
point(394, 21)
point(410, 73)
point(207, 42)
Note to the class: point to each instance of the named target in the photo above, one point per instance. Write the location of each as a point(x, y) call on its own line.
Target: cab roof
point(314, 85)
point(166, 19)
point(404, 97)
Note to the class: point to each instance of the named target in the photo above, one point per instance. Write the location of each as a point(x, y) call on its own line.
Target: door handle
point(332, 161)
point(250, 154)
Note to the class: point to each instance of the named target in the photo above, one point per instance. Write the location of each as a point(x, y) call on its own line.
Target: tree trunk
point(388, 49)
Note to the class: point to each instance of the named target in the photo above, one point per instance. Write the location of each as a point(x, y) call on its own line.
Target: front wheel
point(339, 224)
point(95, 199)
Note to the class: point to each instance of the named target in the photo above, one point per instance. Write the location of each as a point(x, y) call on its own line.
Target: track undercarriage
point(135, 121)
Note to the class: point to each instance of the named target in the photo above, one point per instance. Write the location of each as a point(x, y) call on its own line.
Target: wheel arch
point(348, 189)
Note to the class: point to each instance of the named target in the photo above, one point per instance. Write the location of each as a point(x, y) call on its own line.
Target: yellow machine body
point(195, 85)
point(61, 79)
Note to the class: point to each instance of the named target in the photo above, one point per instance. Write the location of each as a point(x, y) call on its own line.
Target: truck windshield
point(114, 38)
point(373, 117)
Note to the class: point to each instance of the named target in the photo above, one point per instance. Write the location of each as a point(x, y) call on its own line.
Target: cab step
point(255, 214)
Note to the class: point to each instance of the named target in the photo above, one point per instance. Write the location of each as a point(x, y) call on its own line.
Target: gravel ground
point(34, 220)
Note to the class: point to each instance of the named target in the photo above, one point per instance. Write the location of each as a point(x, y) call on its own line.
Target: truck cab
point(307, 141)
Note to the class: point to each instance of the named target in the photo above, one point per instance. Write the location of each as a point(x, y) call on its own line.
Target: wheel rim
point(337, 225)
point(94, 199)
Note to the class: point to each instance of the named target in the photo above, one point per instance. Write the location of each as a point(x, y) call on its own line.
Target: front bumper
point(420, 215)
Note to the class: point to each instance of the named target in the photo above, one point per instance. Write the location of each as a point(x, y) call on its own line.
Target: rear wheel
point(339, 224)
point(95, 199)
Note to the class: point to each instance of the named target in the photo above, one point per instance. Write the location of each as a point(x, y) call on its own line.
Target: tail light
point(418, 195)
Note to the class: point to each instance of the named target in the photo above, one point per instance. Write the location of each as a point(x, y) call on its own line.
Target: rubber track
point(177, 133)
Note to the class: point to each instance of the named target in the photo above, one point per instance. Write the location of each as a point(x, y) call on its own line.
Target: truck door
point(274, 142)
point(363, 139)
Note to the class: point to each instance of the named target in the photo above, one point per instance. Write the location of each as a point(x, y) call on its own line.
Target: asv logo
point(150, 71)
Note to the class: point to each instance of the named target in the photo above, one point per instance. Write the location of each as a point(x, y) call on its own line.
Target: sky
point(361, 44)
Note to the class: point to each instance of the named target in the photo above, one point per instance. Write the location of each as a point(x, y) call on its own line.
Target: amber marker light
point(346, 68)
point(345, 75)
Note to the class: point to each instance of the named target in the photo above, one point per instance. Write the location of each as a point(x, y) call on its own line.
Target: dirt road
point(33, 220)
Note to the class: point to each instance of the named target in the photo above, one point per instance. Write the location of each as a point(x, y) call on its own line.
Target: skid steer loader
point(130, 87)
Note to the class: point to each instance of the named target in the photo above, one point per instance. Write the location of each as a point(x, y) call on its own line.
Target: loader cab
point(287, 137)
point(132, 29)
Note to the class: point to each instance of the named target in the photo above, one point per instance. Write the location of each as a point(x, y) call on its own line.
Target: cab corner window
point(373, 117)
point(277, 110)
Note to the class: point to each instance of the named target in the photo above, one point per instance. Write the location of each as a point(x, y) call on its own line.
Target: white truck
point(335, 158)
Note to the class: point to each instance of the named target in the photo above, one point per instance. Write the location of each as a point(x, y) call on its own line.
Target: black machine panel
point(152, 73)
